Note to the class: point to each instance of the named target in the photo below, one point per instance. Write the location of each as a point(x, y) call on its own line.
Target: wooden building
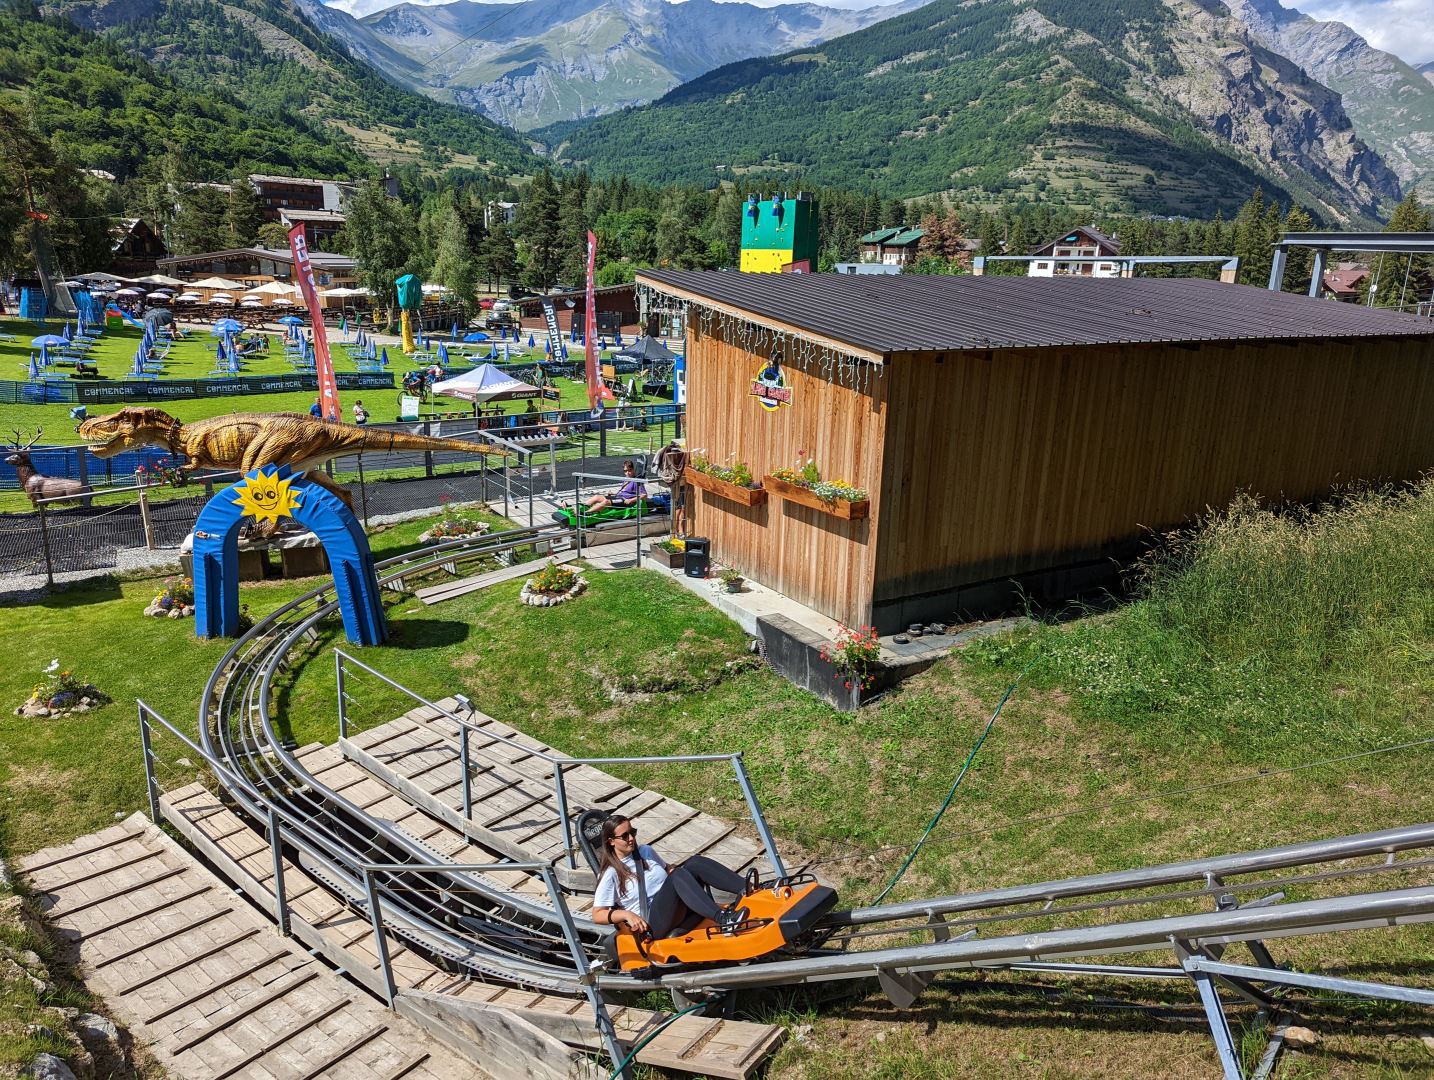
point(1019, 432)
point(254, 266)
point(1086, 243)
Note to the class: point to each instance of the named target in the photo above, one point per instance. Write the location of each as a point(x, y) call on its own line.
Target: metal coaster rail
point(468, 922)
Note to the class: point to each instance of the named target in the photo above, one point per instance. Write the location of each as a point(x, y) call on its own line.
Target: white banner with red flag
point(323, 364)
point(597, 389)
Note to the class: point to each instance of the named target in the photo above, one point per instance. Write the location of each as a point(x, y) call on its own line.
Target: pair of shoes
point(730, 918)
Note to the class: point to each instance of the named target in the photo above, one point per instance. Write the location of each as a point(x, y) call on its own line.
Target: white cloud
point(1402, 27)
point(359, 8)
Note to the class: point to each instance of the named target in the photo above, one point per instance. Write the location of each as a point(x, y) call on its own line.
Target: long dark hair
point(610, 828)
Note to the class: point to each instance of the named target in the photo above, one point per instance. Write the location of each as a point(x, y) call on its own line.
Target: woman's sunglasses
point(626, 837)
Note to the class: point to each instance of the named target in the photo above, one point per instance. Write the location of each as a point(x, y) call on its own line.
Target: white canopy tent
point(485, 383)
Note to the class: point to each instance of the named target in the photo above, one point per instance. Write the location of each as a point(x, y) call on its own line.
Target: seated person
point(627, 495)
point(668, 896)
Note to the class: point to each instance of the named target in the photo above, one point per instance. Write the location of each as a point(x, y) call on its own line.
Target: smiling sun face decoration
point(267, 496)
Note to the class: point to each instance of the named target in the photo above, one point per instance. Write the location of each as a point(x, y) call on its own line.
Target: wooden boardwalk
point(708, 1046)
point(514, 811)
point(204, 980)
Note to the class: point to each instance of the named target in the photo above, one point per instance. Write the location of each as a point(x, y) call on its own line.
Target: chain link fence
point(133, 527)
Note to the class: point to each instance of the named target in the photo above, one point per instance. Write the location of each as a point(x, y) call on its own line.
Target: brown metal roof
point(931, 313)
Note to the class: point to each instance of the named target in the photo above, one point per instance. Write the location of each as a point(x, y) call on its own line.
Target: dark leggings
point(686, 893)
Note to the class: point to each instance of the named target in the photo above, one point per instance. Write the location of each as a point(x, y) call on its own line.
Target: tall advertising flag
point(597, 389)
point(323, 365)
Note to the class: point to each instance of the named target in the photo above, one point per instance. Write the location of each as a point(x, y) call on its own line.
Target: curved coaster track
point(505, 923)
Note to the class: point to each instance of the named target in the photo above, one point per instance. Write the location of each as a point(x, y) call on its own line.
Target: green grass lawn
point(1162, 729)
point(193, 357)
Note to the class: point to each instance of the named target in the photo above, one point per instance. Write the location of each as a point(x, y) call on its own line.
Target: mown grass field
point(1191, 721)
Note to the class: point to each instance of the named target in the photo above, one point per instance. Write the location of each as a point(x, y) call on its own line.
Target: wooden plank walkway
point(447, 590)
point(514, 810)
point(730, 1049)
point(204, 980)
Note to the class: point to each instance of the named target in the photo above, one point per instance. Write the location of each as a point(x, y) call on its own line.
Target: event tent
point(485, 383)
point(647, 349)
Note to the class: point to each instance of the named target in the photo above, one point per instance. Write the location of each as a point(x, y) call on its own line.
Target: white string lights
point(762, 340)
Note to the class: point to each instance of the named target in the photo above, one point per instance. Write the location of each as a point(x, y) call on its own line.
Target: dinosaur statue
point(247, 441)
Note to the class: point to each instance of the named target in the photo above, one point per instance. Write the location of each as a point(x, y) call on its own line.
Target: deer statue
point(38, 486)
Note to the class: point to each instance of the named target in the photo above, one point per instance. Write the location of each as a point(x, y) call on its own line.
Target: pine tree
point(381, 235)
point(1299, 263)
point(539, 230)
point(244, 213)
point(498, 257)
point(1406, 279)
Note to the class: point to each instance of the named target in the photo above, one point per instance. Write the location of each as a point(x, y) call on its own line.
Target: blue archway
point(216, 553)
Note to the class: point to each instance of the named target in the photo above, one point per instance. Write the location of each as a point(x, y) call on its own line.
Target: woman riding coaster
point(627, 495)
point(665, 897)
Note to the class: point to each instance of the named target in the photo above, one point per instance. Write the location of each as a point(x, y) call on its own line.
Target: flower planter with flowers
point(804, 485)
point(671, 553)
point(733, 482)
point(174, 601)
point(553, 585)
point(451, 526)
point(61, 693)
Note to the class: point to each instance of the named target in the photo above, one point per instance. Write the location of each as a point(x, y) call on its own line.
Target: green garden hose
point(965, 767)
point(654, 1034)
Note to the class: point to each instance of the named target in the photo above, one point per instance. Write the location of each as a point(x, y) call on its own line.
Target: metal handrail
point(559, 762)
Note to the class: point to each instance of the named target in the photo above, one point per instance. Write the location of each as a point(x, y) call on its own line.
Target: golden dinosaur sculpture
point(248, 441)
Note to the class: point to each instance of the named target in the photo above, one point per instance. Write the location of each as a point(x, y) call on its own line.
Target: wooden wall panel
point(1002, 463)
point(812, 557)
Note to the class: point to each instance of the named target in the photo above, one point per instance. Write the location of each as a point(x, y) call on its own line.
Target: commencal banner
point(101, 392)
point(555, 336)
point(323, 365)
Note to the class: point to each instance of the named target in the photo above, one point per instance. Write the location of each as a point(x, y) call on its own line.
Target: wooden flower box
point(841, 508)
point(723, 490)
point(673, 560)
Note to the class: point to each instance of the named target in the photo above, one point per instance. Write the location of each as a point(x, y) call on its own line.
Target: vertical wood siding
point(812, 557)
point(1006, 462)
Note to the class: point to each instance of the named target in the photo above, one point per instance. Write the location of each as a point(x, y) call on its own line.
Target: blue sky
point(1403, 27)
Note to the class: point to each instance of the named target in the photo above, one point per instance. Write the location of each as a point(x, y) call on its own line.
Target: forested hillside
point(266, 56)
point(1142, 105)
point(112, 110)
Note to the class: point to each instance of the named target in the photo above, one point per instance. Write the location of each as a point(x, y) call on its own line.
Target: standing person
point(665, 896)
point(316, 410)
point(360, 413)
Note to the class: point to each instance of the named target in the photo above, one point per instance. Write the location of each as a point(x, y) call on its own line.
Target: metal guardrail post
point(560, 793)
point(363, 493)
point(757, 819)
point(144, 519)
point(45, 546)
point(578, 510)
point(375, 916)
point(463, 763)
point(276, 854)
point(507, 487)
point(339, 683)
point(570, 935)
point(641, 500)
point(150, 786)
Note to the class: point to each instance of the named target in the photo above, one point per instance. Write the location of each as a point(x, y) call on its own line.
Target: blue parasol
point(443, 354)
point(477, 335)
point(455, 331)
point(138, 363)
point(383, 357)
point(227, 326)
point(34, 367)
point(531, 342)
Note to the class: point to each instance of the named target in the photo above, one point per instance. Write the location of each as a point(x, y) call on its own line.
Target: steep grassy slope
point(1135, 104)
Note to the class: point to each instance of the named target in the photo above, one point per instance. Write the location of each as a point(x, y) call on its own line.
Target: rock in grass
point(1300, 1038)
point(50, 1067)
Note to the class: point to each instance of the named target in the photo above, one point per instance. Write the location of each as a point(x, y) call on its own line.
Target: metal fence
point(544, 456)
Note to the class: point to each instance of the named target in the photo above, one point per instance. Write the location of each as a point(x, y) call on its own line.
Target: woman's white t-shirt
point(607, 896)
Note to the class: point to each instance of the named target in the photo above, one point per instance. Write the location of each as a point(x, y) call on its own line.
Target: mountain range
point(1164, 106)
point(1390, 102)
point(533, 63)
